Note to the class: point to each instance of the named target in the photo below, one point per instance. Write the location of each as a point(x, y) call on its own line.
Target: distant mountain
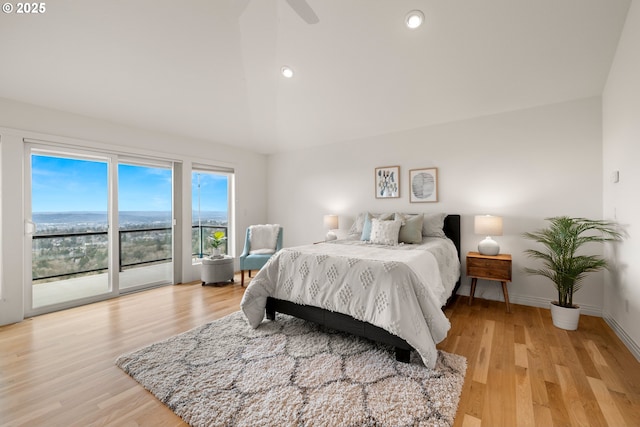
point(208, 216)
point(66, 221)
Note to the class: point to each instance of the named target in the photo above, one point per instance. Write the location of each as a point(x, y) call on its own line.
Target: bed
point(388, 293)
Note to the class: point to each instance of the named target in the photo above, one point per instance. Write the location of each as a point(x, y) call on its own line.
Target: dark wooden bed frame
point(345, 323)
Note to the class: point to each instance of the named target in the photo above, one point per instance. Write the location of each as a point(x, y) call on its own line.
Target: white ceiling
point(210, 68)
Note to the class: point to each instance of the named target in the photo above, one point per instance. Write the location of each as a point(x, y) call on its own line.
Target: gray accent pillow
point(411, 229)
point(433, 224)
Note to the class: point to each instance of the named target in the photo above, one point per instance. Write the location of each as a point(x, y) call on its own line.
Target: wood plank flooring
point(57, 369)
point(523, 371)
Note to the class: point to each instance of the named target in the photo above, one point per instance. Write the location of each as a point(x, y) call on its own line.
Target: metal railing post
point(119, 251)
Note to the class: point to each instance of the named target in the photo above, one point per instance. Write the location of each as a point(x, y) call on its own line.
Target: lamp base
point(330, 236)
point(489, 247)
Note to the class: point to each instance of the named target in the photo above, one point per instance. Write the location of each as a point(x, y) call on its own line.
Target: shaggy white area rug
point(293, 373)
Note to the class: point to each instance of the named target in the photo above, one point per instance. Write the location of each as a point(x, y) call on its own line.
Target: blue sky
point(213, 192)
point(67, 185)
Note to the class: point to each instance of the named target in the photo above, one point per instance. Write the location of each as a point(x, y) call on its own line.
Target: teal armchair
point(249, 261)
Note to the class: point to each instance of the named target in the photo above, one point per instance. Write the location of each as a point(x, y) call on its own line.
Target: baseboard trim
point(589, 310)
point(624, 337)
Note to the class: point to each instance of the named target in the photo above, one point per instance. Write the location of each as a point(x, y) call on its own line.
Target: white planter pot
point(565, 318)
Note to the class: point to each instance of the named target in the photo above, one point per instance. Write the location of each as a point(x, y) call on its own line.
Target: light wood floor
point(58, 370)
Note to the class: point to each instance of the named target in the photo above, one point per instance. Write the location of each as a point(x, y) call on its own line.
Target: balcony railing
point(72, 254)
point(199, 236)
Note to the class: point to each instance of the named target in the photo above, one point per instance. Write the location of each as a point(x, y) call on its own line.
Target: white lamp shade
point(488, 225)
point(331, 222)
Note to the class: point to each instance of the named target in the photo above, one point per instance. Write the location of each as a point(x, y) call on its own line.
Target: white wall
point(19, 120)
point(621, 152)
point(523, 165)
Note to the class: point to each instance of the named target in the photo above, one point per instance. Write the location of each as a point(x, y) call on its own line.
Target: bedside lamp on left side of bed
point(331, 223)
point(488, 225)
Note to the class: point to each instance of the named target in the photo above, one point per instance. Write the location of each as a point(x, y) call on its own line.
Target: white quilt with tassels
point(398, 288)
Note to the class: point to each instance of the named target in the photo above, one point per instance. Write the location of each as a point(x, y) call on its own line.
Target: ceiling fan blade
point(302, 8)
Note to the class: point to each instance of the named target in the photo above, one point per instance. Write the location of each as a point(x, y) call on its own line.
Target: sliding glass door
point(69, 228)
point(95, 230)
point(145, 224)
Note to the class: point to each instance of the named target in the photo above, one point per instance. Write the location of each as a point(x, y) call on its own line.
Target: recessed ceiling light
point(414, 19)
point(287, 71)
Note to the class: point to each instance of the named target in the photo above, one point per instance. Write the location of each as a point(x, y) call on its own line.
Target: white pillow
point(385, 232)
point(366, 228)
point(355, 232)
point(356, 227)
point(263, 238)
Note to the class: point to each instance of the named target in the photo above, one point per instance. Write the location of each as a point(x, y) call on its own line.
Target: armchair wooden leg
point(241, 277)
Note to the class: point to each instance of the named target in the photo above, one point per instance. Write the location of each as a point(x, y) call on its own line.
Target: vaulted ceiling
point(210, 69)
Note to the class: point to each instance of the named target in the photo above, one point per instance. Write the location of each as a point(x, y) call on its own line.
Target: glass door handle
point(29, 227)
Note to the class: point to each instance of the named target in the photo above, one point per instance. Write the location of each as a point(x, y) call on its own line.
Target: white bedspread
point(400, 289)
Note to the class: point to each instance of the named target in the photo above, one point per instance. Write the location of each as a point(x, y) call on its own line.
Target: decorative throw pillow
point(356, 227)
point(385, 232)
point(366, 227)
point(433, 224)
point(263, 238)
point(411, 229)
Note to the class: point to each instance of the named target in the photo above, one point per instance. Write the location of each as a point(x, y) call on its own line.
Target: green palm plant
point(562, 239)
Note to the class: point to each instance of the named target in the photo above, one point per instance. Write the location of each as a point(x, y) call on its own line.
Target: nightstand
point(489, 267)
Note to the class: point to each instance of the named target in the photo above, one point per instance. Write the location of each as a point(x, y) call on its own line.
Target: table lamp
point(331, 222)
point(488, 225)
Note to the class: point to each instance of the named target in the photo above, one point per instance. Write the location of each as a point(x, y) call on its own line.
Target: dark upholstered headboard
point(452, 230)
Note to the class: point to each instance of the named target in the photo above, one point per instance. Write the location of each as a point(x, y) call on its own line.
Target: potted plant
point(216, 239)
point(562, 240)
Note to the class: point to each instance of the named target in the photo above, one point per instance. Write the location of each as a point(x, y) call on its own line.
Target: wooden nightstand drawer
point(489, 267)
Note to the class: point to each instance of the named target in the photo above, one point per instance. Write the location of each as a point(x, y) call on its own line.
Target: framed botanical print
point(423, 185)
point(387, 181)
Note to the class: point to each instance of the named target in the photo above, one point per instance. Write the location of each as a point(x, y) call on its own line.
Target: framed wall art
point(387, 180)
point(423, 185)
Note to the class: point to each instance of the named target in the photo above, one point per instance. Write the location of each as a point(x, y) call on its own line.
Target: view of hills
point(61, 256)
point(56, 222)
